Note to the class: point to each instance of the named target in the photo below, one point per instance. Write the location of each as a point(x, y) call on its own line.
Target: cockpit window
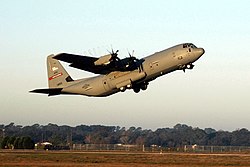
point(193, 46)
point(189, 45)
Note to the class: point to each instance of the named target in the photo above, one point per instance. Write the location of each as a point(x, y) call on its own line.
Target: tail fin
point(57, 75)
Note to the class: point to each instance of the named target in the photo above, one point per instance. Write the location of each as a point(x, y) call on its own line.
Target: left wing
point(85, 63)
point(102, 65)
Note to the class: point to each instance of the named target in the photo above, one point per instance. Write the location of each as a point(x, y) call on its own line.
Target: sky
point(215, 94)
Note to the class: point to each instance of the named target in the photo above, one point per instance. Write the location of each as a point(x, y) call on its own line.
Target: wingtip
point(59, 56)
point(33, 91)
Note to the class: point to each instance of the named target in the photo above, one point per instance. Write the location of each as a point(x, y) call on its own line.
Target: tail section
point(49, 92)
point(57, 75)
point(58, 78)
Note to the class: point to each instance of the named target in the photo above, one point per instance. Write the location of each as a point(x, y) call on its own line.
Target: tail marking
point(55, 76)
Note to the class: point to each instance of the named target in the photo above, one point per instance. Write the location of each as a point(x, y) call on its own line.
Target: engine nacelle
point(103, 60)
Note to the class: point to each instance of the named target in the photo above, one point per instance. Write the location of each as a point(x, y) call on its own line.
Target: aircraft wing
point(85, 63)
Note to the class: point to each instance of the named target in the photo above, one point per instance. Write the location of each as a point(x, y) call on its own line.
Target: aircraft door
point(105, 84)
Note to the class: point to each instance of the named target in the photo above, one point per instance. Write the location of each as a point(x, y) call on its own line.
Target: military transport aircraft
point(116, 75)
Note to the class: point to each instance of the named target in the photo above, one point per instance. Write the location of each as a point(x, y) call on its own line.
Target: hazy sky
point(214, 94)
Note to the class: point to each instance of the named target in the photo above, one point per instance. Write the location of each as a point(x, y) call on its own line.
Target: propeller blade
point(128, 53)
point(114, 55)
point(131, 55)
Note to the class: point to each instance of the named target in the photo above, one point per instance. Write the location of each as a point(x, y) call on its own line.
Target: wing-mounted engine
point(130, 63)
point(107, 59)
point(104, 60)
point(113, 63)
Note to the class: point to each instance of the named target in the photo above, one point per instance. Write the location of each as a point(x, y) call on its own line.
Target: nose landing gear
point(189, 66)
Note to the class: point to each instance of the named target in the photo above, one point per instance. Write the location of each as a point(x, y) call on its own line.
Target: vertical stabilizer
point(57, 75)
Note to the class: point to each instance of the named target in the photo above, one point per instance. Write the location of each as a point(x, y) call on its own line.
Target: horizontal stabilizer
point(50, 92)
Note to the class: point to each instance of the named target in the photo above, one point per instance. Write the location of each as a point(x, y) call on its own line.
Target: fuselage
point(179, 57)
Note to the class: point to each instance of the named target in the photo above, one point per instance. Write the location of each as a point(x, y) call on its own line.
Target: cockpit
point(189, 45)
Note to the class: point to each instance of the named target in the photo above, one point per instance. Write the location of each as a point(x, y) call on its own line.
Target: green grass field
point(123, 159)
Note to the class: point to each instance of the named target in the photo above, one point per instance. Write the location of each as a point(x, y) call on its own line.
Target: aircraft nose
point(201, 51)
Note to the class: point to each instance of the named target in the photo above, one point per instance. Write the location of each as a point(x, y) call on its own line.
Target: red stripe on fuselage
point(55, 76)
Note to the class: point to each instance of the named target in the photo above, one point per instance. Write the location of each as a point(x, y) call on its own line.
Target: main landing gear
point(139, 87)
point(136, 87)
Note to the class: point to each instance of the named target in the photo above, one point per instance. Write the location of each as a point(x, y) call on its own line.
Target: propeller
point(131, 55)
point(132, 61)
point(114, 55)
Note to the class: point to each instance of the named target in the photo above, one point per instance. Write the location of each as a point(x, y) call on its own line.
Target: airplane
point(115, 74)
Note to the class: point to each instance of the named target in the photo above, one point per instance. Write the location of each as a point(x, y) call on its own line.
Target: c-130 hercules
point(116, 75)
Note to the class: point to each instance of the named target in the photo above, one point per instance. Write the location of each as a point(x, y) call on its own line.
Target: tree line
point(177, 136)
point(17, 142)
